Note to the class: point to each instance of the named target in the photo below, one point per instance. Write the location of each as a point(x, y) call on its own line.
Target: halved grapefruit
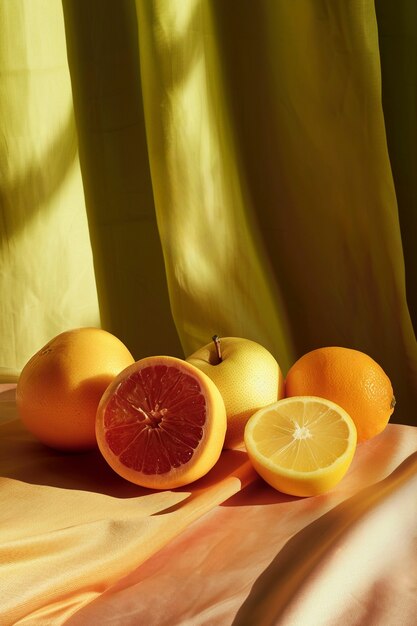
point(161, 423)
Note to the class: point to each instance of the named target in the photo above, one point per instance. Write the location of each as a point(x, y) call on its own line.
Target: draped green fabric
point(175, 168)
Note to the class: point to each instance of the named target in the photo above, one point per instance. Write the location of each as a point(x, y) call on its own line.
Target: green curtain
point(175, 168)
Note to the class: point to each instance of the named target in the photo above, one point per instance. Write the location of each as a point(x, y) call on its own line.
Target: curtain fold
point(397, 37)
point(219, 279)
point(107, 94)
point(47, 281)
point(244, 168)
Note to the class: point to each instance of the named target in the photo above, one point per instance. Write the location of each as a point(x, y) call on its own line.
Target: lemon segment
point(302, 446)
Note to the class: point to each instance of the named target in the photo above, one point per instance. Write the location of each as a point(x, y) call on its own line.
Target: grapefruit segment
point(161, 423)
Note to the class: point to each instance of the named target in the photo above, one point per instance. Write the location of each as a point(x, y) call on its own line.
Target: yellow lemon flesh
point(302, 446)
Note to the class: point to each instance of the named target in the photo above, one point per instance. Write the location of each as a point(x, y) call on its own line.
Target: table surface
point(81, 546)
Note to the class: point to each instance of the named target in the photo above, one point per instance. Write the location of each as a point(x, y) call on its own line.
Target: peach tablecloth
point(80, 546)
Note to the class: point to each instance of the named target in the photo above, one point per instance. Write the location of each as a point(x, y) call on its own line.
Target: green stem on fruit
point(393, 402)
point(216, 340)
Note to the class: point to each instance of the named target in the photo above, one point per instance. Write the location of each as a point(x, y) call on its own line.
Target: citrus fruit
point(59, 388)
point(350, 378)
point(247, 376)
point(161, 423)
point(301, 446)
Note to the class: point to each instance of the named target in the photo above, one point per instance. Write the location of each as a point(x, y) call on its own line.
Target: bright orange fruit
point(350, 378)
point(59, 388)
point(161, 423)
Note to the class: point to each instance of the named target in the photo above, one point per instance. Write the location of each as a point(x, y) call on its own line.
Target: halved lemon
point(302, 446)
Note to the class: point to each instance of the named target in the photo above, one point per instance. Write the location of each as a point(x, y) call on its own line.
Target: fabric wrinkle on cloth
point(173, 169)
point(81, 546)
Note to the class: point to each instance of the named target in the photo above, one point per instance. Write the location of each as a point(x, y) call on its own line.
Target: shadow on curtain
point(238, 168)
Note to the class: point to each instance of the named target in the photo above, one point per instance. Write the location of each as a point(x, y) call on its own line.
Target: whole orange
point(351, 379)
point(60, 387)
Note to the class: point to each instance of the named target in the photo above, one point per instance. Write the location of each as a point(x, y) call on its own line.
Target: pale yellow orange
point(247, 376)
